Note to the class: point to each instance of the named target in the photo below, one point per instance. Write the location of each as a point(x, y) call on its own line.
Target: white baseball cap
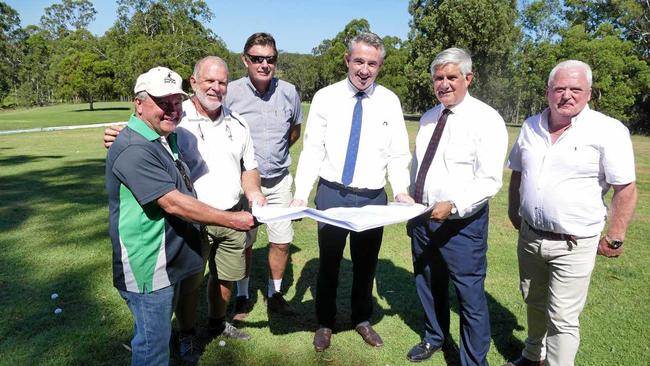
point(159, 82)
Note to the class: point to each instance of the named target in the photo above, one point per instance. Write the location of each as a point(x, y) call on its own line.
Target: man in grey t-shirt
point(273, 112)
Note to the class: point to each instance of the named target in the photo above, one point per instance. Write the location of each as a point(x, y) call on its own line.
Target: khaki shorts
point(226, 256)
point(278, 193)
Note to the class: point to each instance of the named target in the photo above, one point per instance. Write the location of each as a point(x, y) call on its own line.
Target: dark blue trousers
point(456, 250)
point(364, 249)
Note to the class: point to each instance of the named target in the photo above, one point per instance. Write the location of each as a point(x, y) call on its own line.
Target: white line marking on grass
point(60, 128)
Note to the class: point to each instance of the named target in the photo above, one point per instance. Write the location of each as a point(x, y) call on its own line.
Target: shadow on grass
point(52, 219)
point(23, 159)
point(397, 286)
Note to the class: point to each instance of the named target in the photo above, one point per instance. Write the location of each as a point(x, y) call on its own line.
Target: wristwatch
point(454, 210)
point(614, 244)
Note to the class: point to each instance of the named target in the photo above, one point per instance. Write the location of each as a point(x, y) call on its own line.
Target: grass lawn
point(53, 226)
point(64, 115)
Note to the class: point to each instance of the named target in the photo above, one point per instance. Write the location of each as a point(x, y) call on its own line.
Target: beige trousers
point(554, 279)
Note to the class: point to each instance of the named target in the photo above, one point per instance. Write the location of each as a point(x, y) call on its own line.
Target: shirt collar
point(354, 90)
point(459, 108)
point(272, 86)
point(139, 126)
point(192, 115)
point(576, 120)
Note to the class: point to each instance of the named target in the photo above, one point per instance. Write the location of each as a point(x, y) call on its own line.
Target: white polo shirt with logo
point(216, 152)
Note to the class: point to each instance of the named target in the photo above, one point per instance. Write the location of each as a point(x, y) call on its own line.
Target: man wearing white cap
point(153, 209)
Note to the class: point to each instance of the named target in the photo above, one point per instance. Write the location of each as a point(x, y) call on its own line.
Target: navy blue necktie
point(353, 141)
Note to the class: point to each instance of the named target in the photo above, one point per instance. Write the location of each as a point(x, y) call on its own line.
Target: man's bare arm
point(623, 204)
point(294, 135)
point(514, 199)
point(190, 209)
point(110, 133)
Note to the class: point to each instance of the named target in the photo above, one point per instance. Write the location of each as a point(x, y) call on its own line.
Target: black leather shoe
point(523, 361)
point(422, 351)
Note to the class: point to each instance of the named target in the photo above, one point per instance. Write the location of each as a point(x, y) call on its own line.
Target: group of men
point(564, 161)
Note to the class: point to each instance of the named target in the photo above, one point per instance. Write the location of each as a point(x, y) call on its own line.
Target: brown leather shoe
point(523, 361)
point(369, 335)
point(322, 339)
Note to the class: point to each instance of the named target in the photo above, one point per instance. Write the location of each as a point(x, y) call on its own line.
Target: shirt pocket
point(583, 160)
point(463, 153)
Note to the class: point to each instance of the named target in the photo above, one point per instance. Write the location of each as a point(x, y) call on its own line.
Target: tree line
point(514, 44)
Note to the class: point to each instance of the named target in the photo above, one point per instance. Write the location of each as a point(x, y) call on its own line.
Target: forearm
point(514, 199)
point(623, 204)
point(190, 209)
point(250, 182)
point(294, 135)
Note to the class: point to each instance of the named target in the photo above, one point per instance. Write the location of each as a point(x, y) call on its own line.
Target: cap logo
point(169, 79)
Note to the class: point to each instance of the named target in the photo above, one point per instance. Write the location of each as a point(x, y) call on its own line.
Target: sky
point(297, 25)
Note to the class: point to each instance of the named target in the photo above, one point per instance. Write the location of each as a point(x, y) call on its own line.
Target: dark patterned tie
point(429, 154)
point(353, 141)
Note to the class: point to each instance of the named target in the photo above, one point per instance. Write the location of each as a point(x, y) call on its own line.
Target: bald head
point(209, 61)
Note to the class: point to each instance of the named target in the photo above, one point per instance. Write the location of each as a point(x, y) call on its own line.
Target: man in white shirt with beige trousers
point(563, 163)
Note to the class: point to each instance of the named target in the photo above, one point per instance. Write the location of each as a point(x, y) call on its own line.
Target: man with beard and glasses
point(216, 145)
point(352, 170)
point(152, 208)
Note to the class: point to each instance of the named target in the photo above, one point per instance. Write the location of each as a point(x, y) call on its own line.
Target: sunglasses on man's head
point(259, 59)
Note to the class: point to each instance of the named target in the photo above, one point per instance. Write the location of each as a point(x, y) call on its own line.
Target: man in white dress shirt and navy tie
point(355, 135)
point(457, 167)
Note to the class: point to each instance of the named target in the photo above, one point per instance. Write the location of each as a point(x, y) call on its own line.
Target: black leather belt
point(336, 185)
point(549, 235)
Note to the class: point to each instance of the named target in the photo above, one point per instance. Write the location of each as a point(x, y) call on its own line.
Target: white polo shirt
point(467, 168)
point(563, 184)
point(215, 152)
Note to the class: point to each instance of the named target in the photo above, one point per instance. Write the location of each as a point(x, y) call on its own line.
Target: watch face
point(615, 244)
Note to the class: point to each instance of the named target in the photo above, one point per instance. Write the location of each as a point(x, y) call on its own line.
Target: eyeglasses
point(186, 178)
point(259, 59)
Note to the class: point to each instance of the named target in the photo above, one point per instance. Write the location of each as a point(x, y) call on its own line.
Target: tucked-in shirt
point(270, 117)
point(563, 184)
point(383, 144)
point(467, 168)
point(151, 249)
point(215, 152)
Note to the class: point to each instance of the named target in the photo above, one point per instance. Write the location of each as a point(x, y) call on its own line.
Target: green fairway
point(65, 115)
point(54, 238)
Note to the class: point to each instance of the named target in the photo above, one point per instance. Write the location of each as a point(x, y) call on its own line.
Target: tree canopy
point(513, 43)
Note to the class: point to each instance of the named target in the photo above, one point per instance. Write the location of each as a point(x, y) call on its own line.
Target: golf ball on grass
point(54, 296)
point(222, 343)
point(58, 311)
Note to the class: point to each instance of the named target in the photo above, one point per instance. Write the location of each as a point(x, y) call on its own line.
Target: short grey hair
point(141, 95)
point(369, 38)
point(457, 56)
point(571, 64)
point(212, 59)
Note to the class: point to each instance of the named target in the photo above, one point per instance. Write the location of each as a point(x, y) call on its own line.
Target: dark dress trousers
point(456, 250)
point(364, 249)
